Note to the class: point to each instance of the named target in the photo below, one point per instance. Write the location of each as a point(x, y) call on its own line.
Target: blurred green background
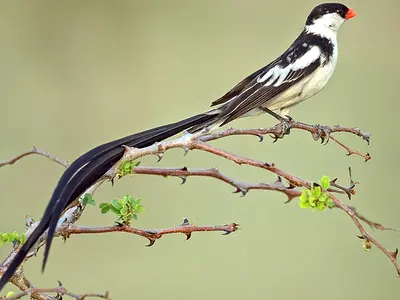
point(74, 74)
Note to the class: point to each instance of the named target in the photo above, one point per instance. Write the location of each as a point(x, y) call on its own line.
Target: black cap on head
point(327, 8)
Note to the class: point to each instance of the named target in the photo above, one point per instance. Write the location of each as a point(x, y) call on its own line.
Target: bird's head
point(328, 17)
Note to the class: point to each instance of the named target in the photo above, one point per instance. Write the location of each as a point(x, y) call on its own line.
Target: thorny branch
point(37, 151)
point(151, 234)
point(60, 291)
point(241, 186)
point(286, 183)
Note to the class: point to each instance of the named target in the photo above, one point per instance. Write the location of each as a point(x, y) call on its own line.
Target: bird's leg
point(323, 133)
point(286, 123)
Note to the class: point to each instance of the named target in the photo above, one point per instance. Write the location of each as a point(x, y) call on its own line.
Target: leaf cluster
point(316, 197)
point(126, 168)
point(125, 208)
point(11, 237)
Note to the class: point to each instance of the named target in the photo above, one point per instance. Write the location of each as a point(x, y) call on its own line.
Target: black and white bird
point(299, 73)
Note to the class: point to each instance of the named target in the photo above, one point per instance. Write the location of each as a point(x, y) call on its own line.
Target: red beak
point(350, 14)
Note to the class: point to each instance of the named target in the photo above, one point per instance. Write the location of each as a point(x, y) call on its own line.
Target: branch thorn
point(394, 253)
point(159, 156)
point(152, 241)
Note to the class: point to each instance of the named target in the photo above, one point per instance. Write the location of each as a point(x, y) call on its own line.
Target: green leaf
point(106, 208)
point(127, 167)
point(303, 197)
point(312, 201)
point(123, 210)
point(330, 203)
point(13, 236)
point(139, 208)
point(128, 199)
point(88, 200)
point(9, 237)
point(5, 237)
point(134, 216)
point(325, 182)
point(304, 204)
point(316, 191)
point(320, 206)
point(114, 210)
point(323, 197)
point(22, 240)
point(10, 294)
point(116, 204)
point(102, 205)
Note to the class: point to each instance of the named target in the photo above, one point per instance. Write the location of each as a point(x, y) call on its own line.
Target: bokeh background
point(74, 74)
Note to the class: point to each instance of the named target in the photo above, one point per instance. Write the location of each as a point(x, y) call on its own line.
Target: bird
point(296, 75)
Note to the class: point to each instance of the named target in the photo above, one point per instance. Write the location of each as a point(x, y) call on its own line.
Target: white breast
point(305, 89)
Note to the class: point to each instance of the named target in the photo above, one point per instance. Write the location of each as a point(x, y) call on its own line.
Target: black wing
point(258, 95)
point(250, 85)
point(240, 87)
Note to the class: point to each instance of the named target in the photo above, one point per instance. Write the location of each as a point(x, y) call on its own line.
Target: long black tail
point(85, 171)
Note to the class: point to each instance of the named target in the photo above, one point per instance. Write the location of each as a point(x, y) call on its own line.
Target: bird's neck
point(322, 31)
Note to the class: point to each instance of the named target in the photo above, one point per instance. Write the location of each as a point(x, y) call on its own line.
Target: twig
point(241, 186)
point(350, 151)
point(151, 234)
point(350, 211)
point(193, 142)
point(61, 291)
point(34, 150)
point(278, 131)
point(373, 225)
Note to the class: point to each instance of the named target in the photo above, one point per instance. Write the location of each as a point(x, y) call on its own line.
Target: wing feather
point(257, 97)
point(244, 85)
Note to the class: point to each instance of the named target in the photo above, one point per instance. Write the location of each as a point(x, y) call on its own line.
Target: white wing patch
point(266, 75)
point(281, 75)
point(307, 59)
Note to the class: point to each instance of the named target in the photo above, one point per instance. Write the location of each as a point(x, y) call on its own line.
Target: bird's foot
point(285, 125)
point(323, 133)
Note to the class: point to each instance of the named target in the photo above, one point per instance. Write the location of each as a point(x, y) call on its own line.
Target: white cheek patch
point(326, 26)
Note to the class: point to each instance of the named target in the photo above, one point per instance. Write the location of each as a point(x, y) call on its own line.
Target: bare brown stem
point(241, 186)
point(37, 151)
point(277, 131)
point(350, 151)
point(350, 211)
point(151, 234)
point(61, 291)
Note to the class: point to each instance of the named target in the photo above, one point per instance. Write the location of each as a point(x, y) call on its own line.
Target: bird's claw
point(286, 124)
point(323, 133)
